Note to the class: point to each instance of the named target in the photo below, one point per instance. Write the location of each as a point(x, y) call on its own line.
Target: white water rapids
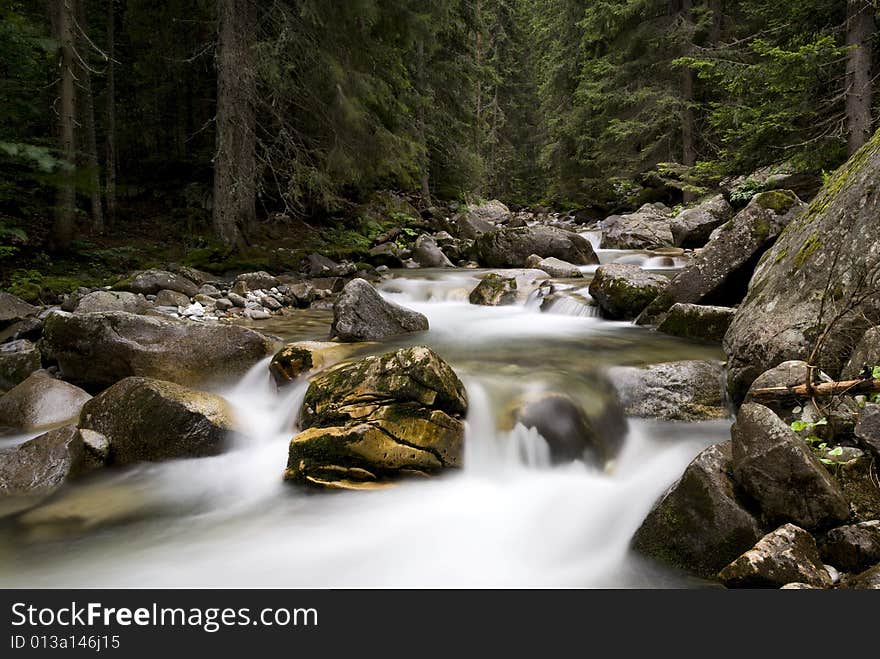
point(508, 519)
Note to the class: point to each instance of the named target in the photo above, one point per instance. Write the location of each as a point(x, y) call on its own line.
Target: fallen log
point(863, 386)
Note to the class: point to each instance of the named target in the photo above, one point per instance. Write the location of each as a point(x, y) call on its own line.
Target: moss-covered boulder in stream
point(95, 350)
point(151, 420)
point(822, 270)
point(622, 291)
point(296, 359)
point(378, 419)
point(494, 290)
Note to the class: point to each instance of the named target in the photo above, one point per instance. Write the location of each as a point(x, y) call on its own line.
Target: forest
point(215, 123)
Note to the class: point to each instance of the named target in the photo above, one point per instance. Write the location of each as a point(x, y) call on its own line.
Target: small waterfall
point(594, 236)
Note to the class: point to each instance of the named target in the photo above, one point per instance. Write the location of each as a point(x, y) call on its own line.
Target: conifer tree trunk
point(110, 128)
point(859, 94)
point(65, 209)
point(688, 121)
point(87, 121)
point(234, 159)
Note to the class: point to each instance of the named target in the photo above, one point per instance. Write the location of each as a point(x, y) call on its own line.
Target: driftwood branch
point(863, 386)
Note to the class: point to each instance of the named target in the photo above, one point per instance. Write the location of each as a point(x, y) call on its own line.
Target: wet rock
point(720, 272)
point(697, 322)
point(647, 228)
point(164, 298)
point(14, 309)
point(30, 329)
point(673, 391)
point(378, 419)
point(554, 267)
point(99, 349)
point(867, 429)
point(692, 227)
point(254, 281)
point(867, 580)
point(150, 282)
point(18, 359)
point(510, 248)
point(36, 469)
point(781, 474)
point(151, 420)
point(361, 314)
point(622, 291)
point(296, 359)
point(41, 401)
point(783, 556)
point(781, 316)
point(428, 255)
point(303, 293)
point(113, 301)
point(864, 357)
point(570, 433)
point(494, 290)
point(699, 525)
point(852, 548)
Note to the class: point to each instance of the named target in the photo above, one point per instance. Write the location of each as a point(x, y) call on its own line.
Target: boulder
point(864, 357)
point(150, 282)
point(29, 328)
point(867, 429)
point(622, 291)
point(254, 281)
point(783, 556)
point(494, 290)
point(469, 226)
point(647, 228)
point(361, 314)
point(165, 298)
point(510, 248)
point(673, 391)
point(113, 301)
point(296, 359)
point(36, 469)
point(852, 548)
point(697, 322)
point(554, 267)
point(867, 580)
point(492, 211)
point(14, 309)
point(699, 524)
point(783, 313)
point(692, 227)
point(145, 419)
point(388, 254)
point(18, 359)
point(199, 277)
point(378, 419)
point(720, 272)
point(775, 467)
point(98, 349)
point(428, 255)
point(41, 401)
point(570, 433)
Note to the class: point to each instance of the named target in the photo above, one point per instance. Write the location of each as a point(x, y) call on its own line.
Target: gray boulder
point(720, 273)
point(494, 290)
point(98, 349)
point(699, 524)
point(150, 282)
point(112, 301)
point(40, 402)
point(428, 255)
point(14, 309)
point(783, 556)
point(361, 314)
point(673, 391)
point(379, 419)
point(469, 226)
point(165, 298)
point(554, 267)
point(852, 548)
point(151, 420)
point(775, 467)
point(866, 355)
point(261, 280)
point(623, 291)
point(647, 228)
point(838, 241)
point(697, 322)
point(18, 359)
point(511, 248)
point(692, 227)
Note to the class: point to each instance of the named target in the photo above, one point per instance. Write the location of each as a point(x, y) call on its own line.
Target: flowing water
point(509, 518)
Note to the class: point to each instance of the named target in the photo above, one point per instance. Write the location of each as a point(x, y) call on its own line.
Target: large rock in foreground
point(151, 420)
point(511, 248)
point(40, 402)
point(622, 291)
point(786, 555)
point(98, 349)
point(361, 314)
point(699, 525)
point(838, 242)
point(781, 474)
point(378, 419)
point(720, 273)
